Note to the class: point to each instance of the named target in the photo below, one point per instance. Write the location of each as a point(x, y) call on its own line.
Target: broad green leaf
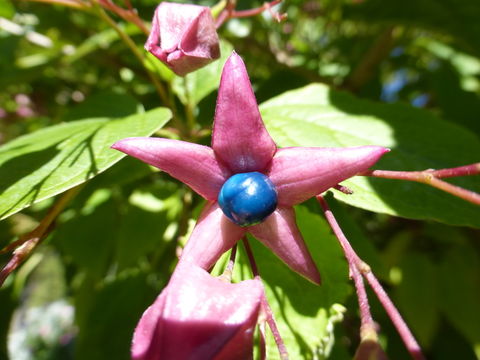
point(45, 163)
point(460, 292)
point(95, 227)
point(305, 312)
point(317, 116)
point(107, 315)
point(192, 88)
point(417, 297)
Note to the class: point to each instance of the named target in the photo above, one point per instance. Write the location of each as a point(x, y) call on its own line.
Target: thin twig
point(273, 327)
point(230, 13)
point(408, 339)
point(77, 4)
point(265, 306)
point(368, 329)
point(251, 259)
point(133, 47)
point(129, 15)
point(432, 178)
point(28, 242)
point(370, 62)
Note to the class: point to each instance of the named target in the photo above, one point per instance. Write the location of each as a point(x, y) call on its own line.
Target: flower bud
point(198, 316)
point(183, 37)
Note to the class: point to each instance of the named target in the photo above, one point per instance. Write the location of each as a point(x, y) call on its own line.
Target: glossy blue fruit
point(248, 198)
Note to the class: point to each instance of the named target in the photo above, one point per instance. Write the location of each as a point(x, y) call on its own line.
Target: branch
point(363, 269)
point(27, 243)
point(432, 178)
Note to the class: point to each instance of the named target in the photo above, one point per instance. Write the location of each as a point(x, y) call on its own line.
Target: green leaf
point(305, 312)
point(460, 292)
point(107, 315)
point(458, 18)
point(417, 297)
point(317, 116)
point(192, 88)
point(47, 162)
point(96, 227)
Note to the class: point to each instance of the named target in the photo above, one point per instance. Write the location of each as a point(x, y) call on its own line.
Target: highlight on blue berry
point(248, 198)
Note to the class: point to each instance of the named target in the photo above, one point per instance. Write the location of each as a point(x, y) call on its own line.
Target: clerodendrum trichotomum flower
point(250, 184)
point(183, 37)
point(198, 316)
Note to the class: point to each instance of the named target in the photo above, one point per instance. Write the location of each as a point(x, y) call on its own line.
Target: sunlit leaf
point(317, 116)
point(45, 163)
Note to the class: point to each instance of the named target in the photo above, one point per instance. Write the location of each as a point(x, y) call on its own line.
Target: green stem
point(131, 44)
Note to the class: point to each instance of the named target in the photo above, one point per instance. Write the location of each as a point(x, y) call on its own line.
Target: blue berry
point(248, 198)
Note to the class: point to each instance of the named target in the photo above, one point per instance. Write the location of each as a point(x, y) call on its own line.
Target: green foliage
point(45, 163)
point(318, 116)
point(197, 85)
point(333, 74)
point(306, 311)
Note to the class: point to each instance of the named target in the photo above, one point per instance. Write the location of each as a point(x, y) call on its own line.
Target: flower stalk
point(282, 349)
point(359, 268)
point(433, 178)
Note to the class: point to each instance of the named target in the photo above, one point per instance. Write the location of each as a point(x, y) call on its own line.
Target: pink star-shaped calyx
point(241, 144)
point(198, 316)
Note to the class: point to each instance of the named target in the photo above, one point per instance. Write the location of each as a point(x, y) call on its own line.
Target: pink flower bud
point(198, 316)
point(183, 37)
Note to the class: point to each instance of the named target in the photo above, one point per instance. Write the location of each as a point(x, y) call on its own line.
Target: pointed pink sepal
point(193, 164)
point(301, 173)
point(198, 316)
point(279, 232)
point(239, 137)
point(212, 236)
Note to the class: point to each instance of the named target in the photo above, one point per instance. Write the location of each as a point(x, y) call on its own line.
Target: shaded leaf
point(317, 116)
point(108, 314)
point(458, 18)
point(417, 297)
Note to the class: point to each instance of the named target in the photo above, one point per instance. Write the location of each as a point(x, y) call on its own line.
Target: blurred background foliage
point(82, 292)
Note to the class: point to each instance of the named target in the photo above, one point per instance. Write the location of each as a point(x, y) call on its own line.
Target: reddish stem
point(265, 306)
point(251, 259)
point(367, 327)
point(32, 239)
point(273, 326)
point(432, 178)
point(230, 13)
point(129, 15)
point(361, 267)
point(395, 316)
point(71, 3)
